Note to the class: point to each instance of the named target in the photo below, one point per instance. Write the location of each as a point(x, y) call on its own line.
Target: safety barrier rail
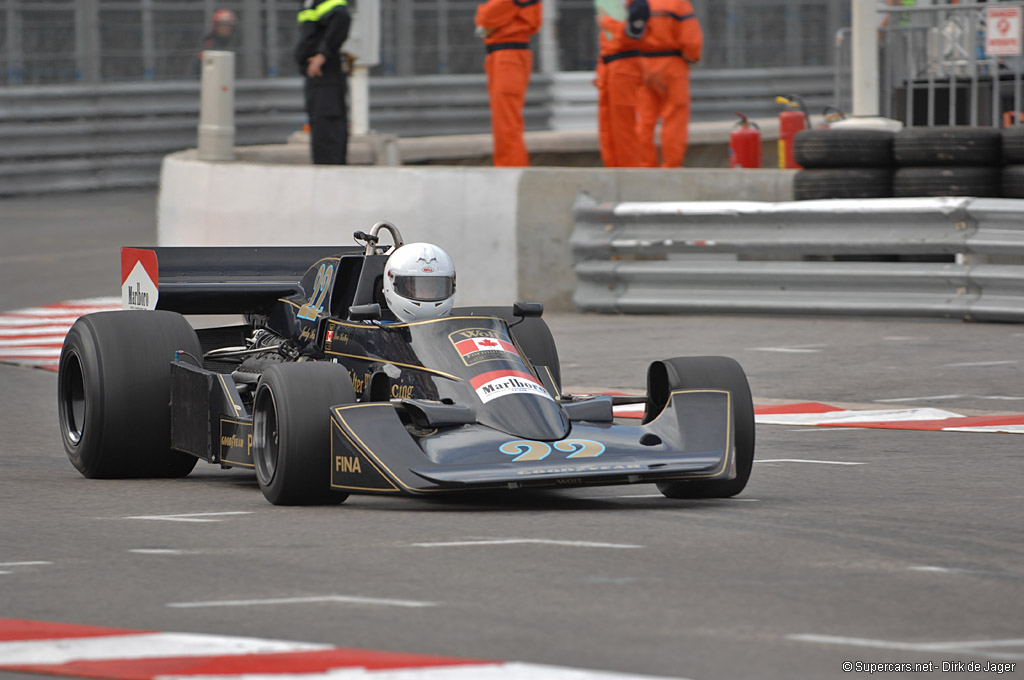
point(75, 137)
point(823, 257)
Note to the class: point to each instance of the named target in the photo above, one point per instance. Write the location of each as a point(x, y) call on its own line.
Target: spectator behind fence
point(323, 28)
point(506, 27)
point(672, 42)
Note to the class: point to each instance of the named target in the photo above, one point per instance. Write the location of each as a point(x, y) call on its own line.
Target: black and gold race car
point(311, 385)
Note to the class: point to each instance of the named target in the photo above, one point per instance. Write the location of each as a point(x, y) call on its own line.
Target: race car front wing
point(372, 451)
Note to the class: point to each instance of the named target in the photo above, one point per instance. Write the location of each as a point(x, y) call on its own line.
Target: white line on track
point(141, 646)
point(24, 564)
point(516, 541)
point(969, 572)
point(338, 599)
point(162, 551)
point(934, 397)
point(940, 570)
point(659, 495)
point(475, 671)
point(976, 647)
point(190, 517)
point(807, 349)
point(981, 363)
point(938, 397)
point(805, 460)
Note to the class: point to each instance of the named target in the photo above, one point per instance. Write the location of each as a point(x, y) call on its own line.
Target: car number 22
point(526, 450)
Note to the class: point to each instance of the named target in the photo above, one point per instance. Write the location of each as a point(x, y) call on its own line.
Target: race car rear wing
point(217, 280)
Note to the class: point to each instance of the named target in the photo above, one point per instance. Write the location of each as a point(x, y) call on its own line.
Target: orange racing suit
point(622, 70)
point(506, 26)
point(672, 42)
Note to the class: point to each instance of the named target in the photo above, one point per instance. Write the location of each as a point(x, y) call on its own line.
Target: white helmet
point(419, 282)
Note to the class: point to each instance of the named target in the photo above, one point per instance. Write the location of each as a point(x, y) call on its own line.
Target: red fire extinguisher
point(745, 144)
point(790, 123)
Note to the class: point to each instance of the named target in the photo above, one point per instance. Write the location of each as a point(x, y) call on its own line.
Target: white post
point(364, 44)
point(864, 14)
point(359, 87)
point(217, 107)
point(549, 38)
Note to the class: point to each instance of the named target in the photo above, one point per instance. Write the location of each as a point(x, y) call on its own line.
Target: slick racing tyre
point(533, 335)
point(951, 181)
point(842, 183)
point(843, 148)
point(724, 373)
point(114, 389)
point(291, 428)
point(1013, 181)
point(958, 146)
point(1013, 145)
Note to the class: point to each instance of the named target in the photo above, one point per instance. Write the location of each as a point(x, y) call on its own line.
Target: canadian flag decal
point(484, 345)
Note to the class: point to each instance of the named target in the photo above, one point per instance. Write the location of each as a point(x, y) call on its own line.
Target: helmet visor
point(425, 288)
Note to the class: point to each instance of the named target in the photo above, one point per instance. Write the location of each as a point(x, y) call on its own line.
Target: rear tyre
point(533, 335)
point(114, 390)
point(707, 373)
point(291, 425)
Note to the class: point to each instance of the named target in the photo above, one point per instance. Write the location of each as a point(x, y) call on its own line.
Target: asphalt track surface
point(895, 546)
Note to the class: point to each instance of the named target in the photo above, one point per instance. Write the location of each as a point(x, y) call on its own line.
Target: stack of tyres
point(947, 161)
point(843, 163)
point(1013, 160)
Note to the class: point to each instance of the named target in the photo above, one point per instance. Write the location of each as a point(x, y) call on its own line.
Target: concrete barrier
point(507, 229)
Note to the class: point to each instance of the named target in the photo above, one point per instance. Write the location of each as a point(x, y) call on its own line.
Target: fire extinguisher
point(790, 123)
point(745, 144)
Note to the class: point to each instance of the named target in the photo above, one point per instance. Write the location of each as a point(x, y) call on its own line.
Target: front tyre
point(292, 431)
point(114, 390)
point(720, 373)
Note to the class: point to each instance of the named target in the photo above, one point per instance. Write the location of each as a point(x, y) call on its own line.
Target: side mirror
point(369, 312)
point(528, 310)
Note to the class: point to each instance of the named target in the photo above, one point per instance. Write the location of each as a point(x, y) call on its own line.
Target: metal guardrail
point(75, 137)
point(744, 257)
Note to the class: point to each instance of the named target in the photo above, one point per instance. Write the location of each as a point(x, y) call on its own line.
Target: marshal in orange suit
point(506, 27)
point(620, 77)
point(672, 42)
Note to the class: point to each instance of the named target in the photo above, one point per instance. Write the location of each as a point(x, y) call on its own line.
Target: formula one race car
point(324, 395)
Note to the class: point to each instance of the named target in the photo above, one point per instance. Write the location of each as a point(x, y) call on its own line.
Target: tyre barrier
point(947, 161)
point(799, 257)
point(843, 163)
point(916, 161)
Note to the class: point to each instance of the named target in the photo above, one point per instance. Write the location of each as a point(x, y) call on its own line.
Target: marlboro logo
point(139, 279)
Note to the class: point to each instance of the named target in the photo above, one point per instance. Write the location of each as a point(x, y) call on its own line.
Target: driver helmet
point(419, 282)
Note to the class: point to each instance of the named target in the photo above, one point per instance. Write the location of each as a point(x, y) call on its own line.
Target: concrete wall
point(507, 229)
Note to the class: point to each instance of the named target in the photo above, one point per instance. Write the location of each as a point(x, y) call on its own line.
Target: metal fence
point(68, 137)
point(91, 41)
point(934, 69)
point(820, 257)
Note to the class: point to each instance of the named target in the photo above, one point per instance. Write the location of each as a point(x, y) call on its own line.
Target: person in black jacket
point(323, 28)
